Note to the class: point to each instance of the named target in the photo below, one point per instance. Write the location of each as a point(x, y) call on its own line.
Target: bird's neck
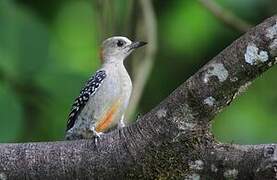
point(113, 64)
point(113, 61)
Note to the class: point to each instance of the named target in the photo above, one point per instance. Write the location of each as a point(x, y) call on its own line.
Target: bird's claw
point(97, 136)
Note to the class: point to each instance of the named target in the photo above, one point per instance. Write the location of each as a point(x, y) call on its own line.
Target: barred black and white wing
point(89, 90)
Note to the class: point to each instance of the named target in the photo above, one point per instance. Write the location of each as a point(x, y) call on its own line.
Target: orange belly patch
point(108, 118)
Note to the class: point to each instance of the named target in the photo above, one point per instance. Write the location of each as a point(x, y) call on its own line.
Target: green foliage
point(45, 67)
point(196, 28)
point(24, 42)
point(252, 116)
point(73, 42)
point(11, 114)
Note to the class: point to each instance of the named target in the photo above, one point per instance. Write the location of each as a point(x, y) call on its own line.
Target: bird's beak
point(137, 44)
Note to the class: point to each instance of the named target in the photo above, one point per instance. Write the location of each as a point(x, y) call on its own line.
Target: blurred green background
point(48, 49)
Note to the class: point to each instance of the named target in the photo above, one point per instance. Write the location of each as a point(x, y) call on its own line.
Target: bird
point(102, 102)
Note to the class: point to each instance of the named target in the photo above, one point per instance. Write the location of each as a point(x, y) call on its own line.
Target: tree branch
point(226, 16)
point(172, 140)
point(143, 64)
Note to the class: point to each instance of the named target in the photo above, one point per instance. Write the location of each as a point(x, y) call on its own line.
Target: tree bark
point(172, 140)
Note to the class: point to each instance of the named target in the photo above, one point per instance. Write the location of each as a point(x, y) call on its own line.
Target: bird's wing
point(90, 88)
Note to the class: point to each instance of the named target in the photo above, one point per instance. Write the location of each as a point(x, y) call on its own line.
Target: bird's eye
point(120, 43)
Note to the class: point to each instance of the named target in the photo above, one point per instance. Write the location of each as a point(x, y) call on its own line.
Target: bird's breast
point(111, 102)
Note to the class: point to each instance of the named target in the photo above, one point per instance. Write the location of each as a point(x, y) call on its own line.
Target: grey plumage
point(90, 88)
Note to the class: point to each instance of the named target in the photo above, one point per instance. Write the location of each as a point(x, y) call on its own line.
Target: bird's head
point(117, 48)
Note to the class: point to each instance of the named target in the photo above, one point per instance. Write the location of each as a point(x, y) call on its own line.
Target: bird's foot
point(96, 135)
point(121, 123)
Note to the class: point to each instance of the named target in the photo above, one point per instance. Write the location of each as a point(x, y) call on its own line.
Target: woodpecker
point(102, 102)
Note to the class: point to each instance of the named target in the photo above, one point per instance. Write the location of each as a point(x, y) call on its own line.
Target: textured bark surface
point(172, 140)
